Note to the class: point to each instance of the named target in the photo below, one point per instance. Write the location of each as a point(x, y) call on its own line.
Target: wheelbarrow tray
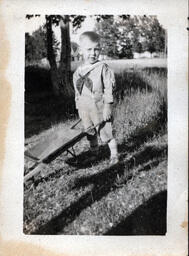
point(50, 147)
point(53, 144)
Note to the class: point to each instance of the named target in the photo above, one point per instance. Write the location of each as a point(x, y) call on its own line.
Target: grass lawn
point(93, 199)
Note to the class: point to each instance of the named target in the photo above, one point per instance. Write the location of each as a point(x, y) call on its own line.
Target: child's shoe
point(91, 158)
point(114, 161)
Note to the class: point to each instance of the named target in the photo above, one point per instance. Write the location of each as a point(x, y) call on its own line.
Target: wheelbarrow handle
point(94, 126)
point(88, 129)
point(74, 125)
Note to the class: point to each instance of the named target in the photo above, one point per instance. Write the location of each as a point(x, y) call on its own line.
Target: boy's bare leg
point(93, 142)
point(113, 151)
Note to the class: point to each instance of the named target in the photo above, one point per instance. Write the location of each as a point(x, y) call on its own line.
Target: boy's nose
point(93, 51)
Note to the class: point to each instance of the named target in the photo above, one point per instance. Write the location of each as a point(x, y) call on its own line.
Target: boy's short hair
point(93, 36)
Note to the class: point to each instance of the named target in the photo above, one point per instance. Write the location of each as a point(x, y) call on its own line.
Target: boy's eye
point(96, 49)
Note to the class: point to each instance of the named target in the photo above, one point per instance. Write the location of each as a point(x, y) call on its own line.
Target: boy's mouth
point(92, 58)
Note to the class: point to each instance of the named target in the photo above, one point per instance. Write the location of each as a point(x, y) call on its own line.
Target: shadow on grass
point(157, 70)
point(132, 143)
point(103, 183)
point(43, 110)
point(147, 219)
point(126, 147)
point(128, 83)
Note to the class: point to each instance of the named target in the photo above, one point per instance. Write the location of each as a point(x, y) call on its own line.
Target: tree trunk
point(60, 76)
point(51, 57)
point(165, 46)
point(65, 58)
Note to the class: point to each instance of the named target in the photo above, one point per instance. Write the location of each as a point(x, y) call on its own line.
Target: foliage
point(126, 49)
point(106, 27)
point(153, 33)
point(122, 35)
point(36, 45)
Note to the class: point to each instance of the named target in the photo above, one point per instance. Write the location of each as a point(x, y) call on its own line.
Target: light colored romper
point(93, 86)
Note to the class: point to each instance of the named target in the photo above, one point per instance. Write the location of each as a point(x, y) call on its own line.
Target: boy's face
point(90, 50)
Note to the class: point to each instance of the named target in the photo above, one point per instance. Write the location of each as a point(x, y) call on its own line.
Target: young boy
point(93, 84)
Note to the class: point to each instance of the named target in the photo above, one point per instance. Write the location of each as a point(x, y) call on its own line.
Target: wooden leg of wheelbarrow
point(35, 171)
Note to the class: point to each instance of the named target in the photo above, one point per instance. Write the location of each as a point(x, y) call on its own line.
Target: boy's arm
point(75, 77)
point(109, 85)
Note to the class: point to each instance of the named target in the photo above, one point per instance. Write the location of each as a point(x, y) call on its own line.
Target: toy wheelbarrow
point(49, 148)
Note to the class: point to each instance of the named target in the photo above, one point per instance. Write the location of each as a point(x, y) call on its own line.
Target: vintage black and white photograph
point(96, 137)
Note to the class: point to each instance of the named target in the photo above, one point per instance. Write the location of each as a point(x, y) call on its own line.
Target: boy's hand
point(107, 112)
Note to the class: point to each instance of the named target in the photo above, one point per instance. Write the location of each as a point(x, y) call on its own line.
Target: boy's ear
point(80, 50)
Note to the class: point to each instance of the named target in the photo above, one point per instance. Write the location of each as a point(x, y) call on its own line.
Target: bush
point(37, 79)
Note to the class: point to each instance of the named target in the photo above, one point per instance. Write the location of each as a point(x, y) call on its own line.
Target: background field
point(94, 199)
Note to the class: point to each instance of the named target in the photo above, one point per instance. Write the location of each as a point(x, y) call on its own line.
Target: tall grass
point(141, 99)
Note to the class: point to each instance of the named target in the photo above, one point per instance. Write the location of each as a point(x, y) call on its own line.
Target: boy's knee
point(106, 140)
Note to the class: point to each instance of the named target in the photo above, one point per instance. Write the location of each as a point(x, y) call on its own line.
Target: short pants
point(91, 113)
